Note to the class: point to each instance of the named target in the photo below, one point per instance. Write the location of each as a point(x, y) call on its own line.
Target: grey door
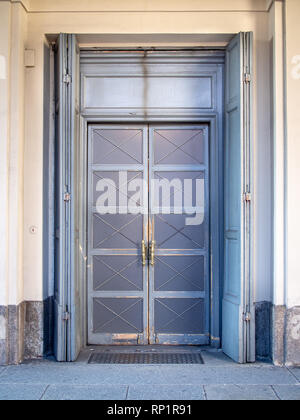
point(118, 293)
point(238, 328)
point(179, 235)
point(148, 234)
point(61, 212)
point(67, 332)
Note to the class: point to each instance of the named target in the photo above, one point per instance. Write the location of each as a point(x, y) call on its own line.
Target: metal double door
point(148, 234)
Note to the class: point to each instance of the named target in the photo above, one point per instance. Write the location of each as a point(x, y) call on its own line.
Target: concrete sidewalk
point(218, 378)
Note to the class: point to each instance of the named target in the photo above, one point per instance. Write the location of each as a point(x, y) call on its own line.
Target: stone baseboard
point(21, 332)
point(286, 336)
point(293, 337)
point(12, 334)
point(34, 330)
point(3, 335)
point(26, 332)
point(277, 334)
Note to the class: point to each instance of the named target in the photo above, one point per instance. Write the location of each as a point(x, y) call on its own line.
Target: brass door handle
point(152, 253)
point(144, 252)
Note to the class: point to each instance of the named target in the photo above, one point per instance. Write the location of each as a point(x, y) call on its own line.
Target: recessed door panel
point(179, 316)
point(117, 146)
point(118, 315)
point(117, 273)
point(181, 273)
point(177, 145)
point(117, 231)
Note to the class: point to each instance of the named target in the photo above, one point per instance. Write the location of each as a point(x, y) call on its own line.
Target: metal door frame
point(215, 121)
point(148, 294)
point(216, 212)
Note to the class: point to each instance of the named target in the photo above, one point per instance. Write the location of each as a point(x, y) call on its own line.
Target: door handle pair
point(152, 253)
point(144, 252)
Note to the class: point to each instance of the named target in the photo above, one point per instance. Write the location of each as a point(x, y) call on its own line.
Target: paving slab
point(239, 392)
point(83, 374)
point(53, 373)
point(296, 372)
point(24, 392)
point(74, 374)
point(216, 358)
point(240, 375)
point(166, 392)
point(85, 393)
point(288, 392)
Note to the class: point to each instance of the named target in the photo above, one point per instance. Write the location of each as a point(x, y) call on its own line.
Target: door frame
point(214, 117)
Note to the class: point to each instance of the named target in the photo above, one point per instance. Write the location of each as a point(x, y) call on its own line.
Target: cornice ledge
point(26, 4)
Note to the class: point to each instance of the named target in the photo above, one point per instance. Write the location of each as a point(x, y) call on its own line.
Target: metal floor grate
point(146, 358)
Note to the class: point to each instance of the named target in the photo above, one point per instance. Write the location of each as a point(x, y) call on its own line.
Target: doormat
point(146, 358)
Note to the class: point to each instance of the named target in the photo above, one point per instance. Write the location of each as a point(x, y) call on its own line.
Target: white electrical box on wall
point(2, 68)
point(29, 58)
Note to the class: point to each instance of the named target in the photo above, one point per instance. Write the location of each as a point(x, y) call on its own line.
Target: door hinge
point(247, 317)
point(247, 78)
point(66, 316)
point(247, 197)
point(67, 79)
point(67, 197)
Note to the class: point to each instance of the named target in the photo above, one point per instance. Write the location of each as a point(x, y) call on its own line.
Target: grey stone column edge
point(286, 336)
point(3, 335)
point(277, 334)
point(293, 337)
point(12, 323)
point(21, 332)
point(34, 330)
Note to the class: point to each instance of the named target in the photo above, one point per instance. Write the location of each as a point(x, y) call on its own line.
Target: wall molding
point(33, 6)
point(24, 3)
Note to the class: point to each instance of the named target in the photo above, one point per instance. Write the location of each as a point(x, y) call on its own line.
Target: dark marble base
point(263, 326)
point(48, 326)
